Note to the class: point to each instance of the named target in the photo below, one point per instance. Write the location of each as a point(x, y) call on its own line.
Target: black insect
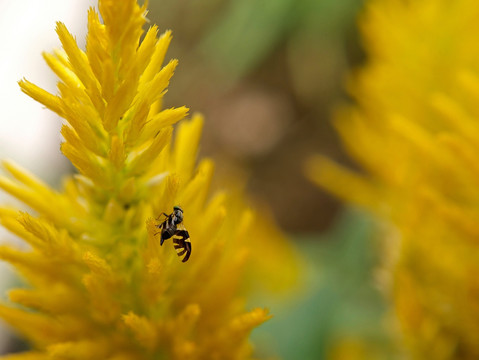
point(173, 227)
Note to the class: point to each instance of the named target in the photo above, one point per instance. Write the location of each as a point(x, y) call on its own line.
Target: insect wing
point(168, 229)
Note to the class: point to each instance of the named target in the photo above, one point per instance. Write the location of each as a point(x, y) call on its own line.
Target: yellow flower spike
point(415, 135)
point(100, 285)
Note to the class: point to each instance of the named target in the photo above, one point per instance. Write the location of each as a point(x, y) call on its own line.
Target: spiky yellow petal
point(162, 119)
point(44, 97)
point(157, 58)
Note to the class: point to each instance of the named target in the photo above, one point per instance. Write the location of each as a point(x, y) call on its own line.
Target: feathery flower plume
point(99, 284)
point(415, 133)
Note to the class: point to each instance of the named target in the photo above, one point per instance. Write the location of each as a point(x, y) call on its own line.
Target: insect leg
point(159, 216)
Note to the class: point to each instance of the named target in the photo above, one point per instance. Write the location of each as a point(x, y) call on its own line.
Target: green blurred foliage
point(248, 31)
point(339, 309)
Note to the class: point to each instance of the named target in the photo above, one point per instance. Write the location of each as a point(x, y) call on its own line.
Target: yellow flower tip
point(28, 222)
point(44, 97)
point(96, 264)
point(143, 329)
point(342, 182)
point(246, 322)
point(25, 177)
point(20, 296)
point(160, 120)
point(8, 213)
point(324, 172)
point(157, 86)
point(187, 319)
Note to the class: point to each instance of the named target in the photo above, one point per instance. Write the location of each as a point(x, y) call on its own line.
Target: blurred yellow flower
point(415, 133)
point(101, 287)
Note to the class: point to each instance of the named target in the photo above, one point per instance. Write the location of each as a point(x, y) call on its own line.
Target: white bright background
point(29, 133)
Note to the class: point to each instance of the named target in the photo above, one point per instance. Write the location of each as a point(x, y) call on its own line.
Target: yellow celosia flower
point(415, 133)
point(101, 285)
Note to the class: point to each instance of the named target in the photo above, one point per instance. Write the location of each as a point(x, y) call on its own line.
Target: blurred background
point(267, 75)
